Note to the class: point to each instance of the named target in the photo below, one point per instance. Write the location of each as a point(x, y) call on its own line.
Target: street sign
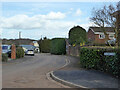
point(109, 54)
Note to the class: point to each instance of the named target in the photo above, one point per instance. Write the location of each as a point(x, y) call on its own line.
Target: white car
point(30, 52)
point(112, 42)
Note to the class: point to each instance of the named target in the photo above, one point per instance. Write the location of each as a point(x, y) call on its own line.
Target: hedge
point(95, 59)
point(77, 35)
point(19, 52)
point(45, 46)
point(58, 46)
point(4, 57)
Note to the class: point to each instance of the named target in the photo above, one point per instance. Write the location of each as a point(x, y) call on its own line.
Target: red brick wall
point(95, 37)
point(13, 52)
point(99, 41)
point(91, 36)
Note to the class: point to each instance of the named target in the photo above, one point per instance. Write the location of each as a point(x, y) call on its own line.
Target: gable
point(98, 30)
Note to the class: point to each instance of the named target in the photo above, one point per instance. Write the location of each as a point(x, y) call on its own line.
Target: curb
point(63, 81)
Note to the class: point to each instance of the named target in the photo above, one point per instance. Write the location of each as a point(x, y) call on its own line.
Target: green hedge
point(95, 59)
point(4, 57)
point(58, 46)
point(77, 35)
point(19, 52)
point(45, 46)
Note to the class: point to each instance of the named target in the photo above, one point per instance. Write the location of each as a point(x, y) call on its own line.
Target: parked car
point(111, 42)
point(30, 52)
point(6, 49)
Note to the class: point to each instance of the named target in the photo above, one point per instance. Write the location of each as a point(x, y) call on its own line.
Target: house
point(36, 45)
point(96, 35)
point(117, 16)
point(27, 47)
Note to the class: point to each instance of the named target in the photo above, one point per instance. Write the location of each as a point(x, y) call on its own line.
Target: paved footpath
point(85, 78)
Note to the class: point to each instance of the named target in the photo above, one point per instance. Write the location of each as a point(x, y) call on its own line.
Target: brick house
point(117, 16)
point(97, 36)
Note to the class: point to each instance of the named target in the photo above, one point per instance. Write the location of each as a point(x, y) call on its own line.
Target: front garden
point(106, 60)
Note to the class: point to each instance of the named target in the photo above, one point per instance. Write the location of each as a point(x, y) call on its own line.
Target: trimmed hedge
point(95, 59)
point(45, 46)
point(19, 52)
point(58, 46)
point(77, 35)
point(4, 57)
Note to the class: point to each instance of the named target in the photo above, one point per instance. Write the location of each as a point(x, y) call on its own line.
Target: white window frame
point(111, 35)
point(101, 37)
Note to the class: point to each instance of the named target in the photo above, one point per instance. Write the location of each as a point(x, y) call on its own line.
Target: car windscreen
point(4, 47)
point(30, 50)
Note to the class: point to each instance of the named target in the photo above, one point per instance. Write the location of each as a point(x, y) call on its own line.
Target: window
point(101, 36)
point(111, 36)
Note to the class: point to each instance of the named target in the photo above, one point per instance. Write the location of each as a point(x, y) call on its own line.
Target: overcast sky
point(50, 19)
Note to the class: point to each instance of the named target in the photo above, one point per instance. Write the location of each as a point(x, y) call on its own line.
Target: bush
point(4, 57)
point(58, 46)
point(95, 59)
point(77, 35)
point(19, 52)
point(45, 46)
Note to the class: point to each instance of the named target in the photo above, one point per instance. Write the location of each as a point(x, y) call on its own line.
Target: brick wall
point(91, 36)
point(74, 51)
point(13, 52)
point(99, 41)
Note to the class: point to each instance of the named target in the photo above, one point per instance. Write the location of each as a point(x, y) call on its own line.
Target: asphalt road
point(30, 71)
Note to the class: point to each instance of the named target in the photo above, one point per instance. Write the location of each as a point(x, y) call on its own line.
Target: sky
point(39, 19)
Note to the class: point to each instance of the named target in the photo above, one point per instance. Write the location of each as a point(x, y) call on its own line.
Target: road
point(30, 71)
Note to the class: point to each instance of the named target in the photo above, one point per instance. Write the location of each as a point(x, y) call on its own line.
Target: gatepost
point(13, 52)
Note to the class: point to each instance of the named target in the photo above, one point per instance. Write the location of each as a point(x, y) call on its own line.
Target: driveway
point(30, 71)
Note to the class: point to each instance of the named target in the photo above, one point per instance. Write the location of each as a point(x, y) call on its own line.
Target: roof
point(34, 41)
point(28, 47)
point(116, 13)
point(98, 29)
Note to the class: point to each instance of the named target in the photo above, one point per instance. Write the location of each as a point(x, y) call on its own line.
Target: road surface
point(30, 71)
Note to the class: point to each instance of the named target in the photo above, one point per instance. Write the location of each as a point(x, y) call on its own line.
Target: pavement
point(74, 76)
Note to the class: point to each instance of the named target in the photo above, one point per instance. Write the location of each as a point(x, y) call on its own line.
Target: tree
point(118, 23)
point(58, 46)
point(104, 17)
point(44, 45)
point(77, 35)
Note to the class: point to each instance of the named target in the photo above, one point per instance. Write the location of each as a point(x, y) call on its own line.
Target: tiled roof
point(116, 13)
point(29, 47)
point(98, 29)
